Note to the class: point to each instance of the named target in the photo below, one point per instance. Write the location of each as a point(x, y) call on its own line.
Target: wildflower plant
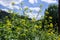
point(22, 28)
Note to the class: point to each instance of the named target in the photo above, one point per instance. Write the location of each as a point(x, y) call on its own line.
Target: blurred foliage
point(17, 27)
point(51, 15)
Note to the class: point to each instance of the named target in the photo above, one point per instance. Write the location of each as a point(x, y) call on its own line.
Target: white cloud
point(16, 7)
point(34, 8)
point(49, 1)
point(33, 1)
point(26, 7)
point(8, 3)
point(33, 15)
point(5, 10)
point(10, 7)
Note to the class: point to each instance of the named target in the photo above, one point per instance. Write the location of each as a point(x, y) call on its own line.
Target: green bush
point(18, 28)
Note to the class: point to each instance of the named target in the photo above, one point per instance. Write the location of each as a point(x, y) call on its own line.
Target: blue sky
point(31, 4)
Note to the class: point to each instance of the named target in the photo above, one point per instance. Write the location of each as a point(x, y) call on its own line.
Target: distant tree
point(3, 14)
point(51, 14)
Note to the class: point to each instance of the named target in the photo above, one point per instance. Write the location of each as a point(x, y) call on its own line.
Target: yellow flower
point(47, 12)
point(59, 38)
point(51, 25)
point(23, 34)
point(49, 30)
point(8, 23)
point(18, 29)
point(52, 33)
point(12, 3)
point(40, 26)
point(34, 30)
point(49, 34)
point(33, 19)
point(26, 30)
point(36, 26)
point(50, 17)
point(26, 8)
point(23, 22)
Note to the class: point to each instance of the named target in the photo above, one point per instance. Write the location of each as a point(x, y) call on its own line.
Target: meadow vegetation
point(21, 27)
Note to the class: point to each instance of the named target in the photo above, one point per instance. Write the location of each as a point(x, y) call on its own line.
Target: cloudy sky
point(31, 4)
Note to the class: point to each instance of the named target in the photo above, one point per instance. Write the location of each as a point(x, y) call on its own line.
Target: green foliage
point(51, 15)
point(19, 27)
